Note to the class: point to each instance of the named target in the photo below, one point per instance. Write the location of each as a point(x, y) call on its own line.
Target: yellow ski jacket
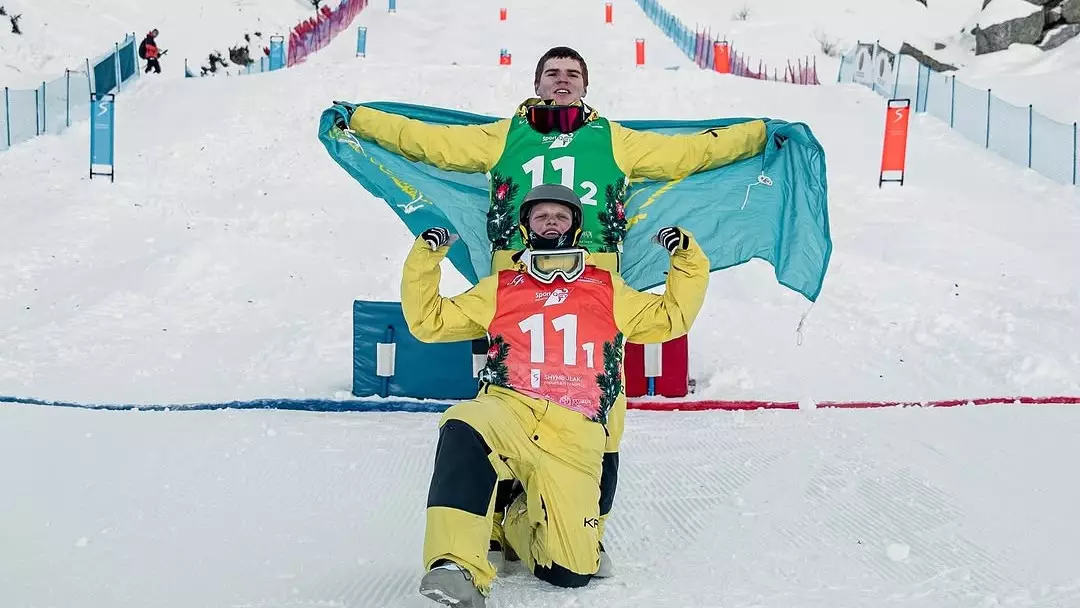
point(639, 154)
point(642, 317)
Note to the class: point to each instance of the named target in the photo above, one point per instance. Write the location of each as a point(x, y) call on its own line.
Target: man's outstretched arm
point(665, 157)
point(464, 148)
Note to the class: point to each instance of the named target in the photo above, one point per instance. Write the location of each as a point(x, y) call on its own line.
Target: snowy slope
point(223, 263)
point(777, 30)
point(922, 508)
point(59, 34)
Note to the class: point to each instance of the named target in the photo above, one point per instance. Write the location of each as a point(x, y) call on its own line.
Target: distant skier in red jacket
point(149, 51)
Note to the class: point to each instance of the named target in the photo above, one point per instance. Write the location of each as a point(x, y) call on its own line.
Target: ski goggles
point(564, 119)
point(546, 266)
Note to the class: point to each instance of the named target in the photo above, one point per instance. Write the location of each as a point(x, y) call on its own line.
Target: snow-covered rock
point(1006, 22)
point(1070, 9)
point(1059, 35)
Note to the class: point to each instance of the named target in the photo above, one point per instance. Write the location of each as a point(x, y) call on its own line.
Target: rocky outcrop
point(1048, 25)
point(994, 37)
point(1059, 35)
point(1070, 10)
point(925, 59)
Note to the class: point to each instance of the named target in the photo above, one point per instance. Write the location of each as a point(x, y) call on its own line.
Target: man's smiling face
point(561, 80)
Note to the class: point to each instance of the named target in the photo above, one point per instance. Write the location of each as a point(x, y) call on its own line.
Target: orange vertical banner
point(640, 60)
point(894, 148)
point(607, 12)
point(721, 57)
point(502, 14)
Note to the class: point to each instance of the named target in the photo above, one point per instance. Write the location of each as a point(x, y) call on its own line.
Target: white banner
point(864, 64)
point(884, 74)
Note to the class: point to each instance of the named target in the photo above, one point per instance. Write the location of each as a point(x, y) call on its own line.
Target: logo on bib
point(555, 297)
point(561, 140)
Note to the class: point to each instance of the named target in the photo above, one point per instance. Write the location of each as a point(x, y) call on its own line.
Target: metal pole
point(952, 109)
point(918, 86)
point(988, 117)
point(1074, 153)
point(67, 97)
point(116, 64)
point(7, 115)
point(1031, 124)
point(37, 112)
point(896, 81)
point(929, 79)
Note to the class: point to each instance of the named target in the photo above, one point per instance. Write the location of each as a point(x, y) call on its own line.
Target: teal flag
point(773, 206)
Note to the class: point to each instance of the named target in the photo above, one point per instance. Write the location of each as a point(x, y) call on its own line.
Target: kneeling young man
point(554, 370)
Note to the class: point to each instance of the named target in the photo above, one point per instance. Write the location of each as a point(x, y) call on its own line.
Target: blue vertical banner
point(102, 123)
point(393, 7)
point(277, 52)
point(361, 41)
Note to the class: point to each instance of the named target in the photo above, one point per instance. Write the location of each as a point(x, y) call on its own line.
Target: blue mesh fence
point(1053, 149)
point(105, 77)
point(128, 57)
point(939, 97)
point(1019, 134)
point(674, 29)
point(970, 112)
point(1009, 131)
point(56, 104)
point(22, 114)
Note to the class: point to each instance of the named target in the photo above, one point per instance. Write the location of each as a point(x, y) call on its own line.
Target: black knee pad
point(609, 478)
point(463, 478)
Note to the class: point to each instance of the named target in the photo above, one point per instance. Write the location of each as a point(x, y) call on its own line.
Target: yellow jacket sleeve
point(432, 318)
point(665, 157)
point(649, 318)
point(464, 148)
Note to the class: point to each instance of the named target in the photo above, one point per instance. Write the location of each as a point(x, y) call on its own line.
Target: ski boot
point(451, 585)
point(606, 568)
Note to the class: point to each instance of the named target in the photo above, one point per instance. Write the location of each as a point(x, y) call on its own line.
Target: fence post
point(135, 56)
point(988, 117)
point(918, 86)
point(926, 104)
point(44, 108)
point(896, 81)
point(1031, 121)
point(7, 115)
point(952, 104)
point(116, 63)
point(67, 97)
point(37, 112)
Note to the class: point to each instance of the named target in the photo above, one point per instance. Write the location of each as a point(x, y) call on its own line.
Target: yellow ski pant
point(556, 454)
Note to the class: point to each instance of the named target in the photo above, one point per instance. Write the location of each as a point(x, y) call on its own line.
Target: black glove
point(436, 237)
point(672, 238)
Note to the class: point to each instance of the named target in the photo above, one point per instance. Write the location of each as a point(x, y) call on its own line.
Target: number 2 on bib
point(567, 325)
point(565, 166)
